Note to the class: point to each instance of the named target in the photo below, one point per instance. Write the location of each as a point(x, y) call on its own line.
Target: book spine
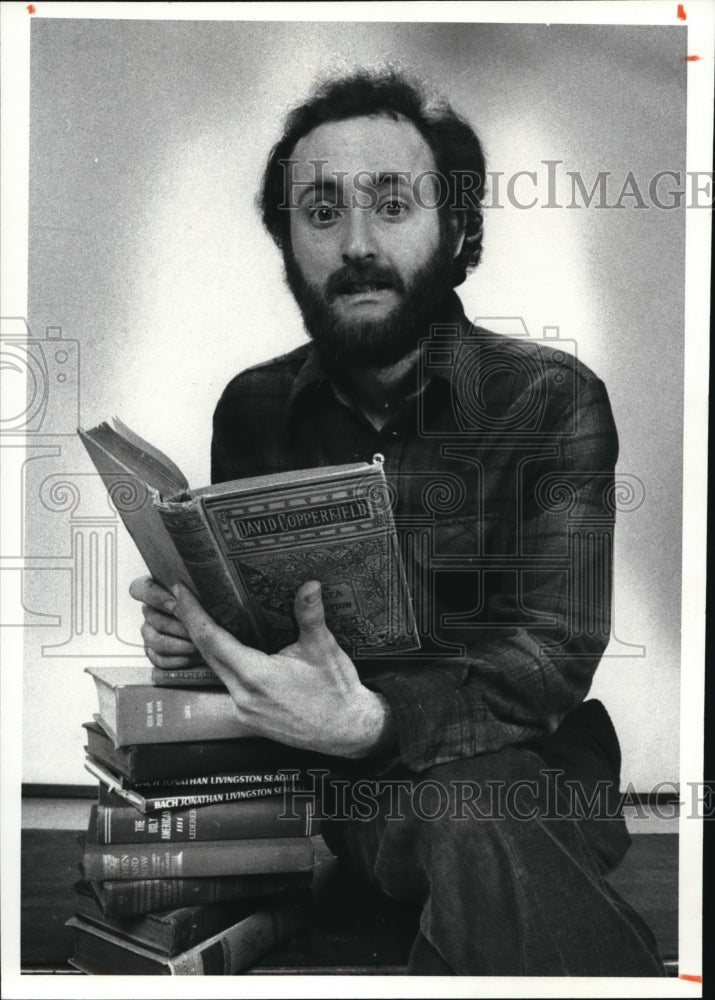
point(236, 948)
point(136, 897)
point(250, 819)
point(185, 799)
point(214, 782)
point(193, 859)
point(145, 714)
point(157, 761)
point(186, 677)
point(220, 594)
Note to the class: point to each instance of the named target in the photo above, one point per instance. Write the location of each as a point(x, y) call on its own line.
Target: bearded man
point(501, 455)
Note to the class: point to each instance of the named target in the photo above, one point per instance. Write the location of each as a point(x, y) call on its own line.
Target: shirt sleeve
point(547, 624)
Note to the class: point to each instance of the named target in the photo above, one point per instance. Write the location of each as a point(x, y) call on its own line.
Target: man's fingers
point(164, 623)
point(151, 593)
point(172, 662)
point(167, 645)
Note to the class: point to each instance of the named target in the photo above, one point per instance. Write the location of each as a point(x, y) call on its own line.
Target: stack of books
point(192, 813)
point(198, 852)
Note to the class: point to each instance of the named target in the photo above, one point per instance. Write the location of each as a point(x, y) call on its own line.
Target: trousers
point(507, 854)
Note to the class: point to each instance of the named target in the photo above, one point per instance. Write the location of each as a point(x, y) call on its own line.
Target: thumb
point(310, 615)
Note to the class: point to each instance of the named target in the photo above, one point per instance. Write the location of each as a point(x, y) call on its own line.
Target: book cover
point(277, 816)
point(156, 761)
point(248, 545)
point(133, 710)
point(168, 932)
point(135, 897)
point(226, 953)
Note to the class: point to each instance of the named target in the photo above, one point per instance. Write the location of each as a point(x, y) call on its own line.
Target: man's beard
point(374, 343)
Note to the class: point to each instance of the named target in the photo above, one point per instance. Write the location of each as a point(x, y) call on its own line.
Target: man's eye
point(393, 209)
point(323, 214)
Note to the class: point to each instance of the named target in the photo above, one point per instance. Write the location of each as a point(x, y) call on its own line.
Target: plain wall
point(147, 144)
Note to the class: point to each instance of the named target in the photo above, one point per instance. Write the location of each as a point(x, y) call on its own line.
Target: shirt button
point(395, 434)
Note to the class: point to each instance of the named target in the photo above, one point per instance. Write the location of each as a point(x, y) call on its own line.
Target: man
point(501, 458)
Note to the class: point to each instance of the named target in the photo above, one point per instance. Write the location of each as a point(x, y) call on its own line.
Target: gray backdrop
point(147, 144)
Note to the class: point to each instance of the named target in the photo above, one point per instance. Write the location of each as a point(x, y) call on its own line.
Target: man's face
point(370, 258)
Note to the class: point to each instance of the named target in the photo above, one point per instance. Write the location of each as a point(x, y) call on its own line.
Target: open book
point(245, 547)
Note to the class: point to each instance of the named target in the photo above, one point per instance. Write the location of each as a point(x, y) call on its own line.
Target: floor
point(370, 936)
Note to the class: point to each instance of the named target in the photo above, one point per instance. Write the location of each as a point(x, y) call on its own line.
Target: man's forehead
point(375, 144)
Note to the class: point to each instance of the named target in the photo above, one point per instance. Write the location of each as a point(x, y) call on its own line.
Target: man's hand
point(308, 695)
point(166, 642)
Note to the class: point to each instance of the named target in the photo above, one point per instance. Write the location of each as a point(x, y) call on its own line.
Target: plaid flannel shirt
point(502, 461)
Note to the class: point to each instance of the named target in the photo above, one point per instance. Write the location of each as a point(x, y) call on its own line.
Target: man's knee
point(509, 784)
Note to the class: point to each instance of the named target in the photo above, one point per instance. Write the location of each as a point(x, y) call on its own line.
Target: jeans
point(508, 868)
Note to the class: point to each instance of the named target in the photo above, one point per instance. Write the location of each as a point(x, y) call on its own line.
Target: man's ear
point(457, 226)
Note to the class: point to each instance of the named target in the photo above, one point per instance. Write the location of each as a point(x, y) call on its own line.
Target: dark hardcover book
point(202, 782)
point(154, 798)
point(246, 547)
point(154, 761)
point(168, 932)
point(196, 859)
point(278, 816)
point(135, 897)
point(228, 952)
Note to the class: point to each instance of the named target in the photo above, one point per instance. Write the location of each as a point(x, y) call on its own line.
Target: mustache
point(352, 277)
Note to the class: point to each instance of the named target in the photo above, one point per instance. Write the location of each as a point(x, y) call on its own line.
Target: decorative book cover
point(248, 545)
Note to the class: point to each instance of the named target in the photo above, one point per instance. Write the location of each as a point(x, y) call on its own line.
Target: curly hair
point(458, 153)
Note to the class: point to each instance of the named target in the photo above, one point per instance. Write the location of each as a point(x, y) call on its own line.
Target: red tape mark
point(693, 58)
point(691, 979)
point(30, 8)
point(681, 12)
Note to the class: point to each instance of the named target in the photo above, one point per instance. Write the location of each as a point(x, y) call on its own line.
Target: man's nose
point(359, 242)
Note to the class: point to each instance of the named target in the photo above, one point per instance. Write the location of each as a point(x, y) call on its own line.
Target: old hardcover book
point(141, 762)
point(230, 951)
point(258, 785)
point(245, 547)
point(134, 897)
point(195, 859)
point(274, 816)
point(133, 710)
point(170, 931)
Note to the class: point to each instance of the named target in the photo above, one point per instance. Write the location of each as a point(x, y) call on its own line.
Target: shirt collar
point(315, 372)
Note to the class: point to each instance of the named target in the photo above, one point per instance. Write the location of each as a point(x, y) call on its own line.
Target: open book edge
point(157, 471)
